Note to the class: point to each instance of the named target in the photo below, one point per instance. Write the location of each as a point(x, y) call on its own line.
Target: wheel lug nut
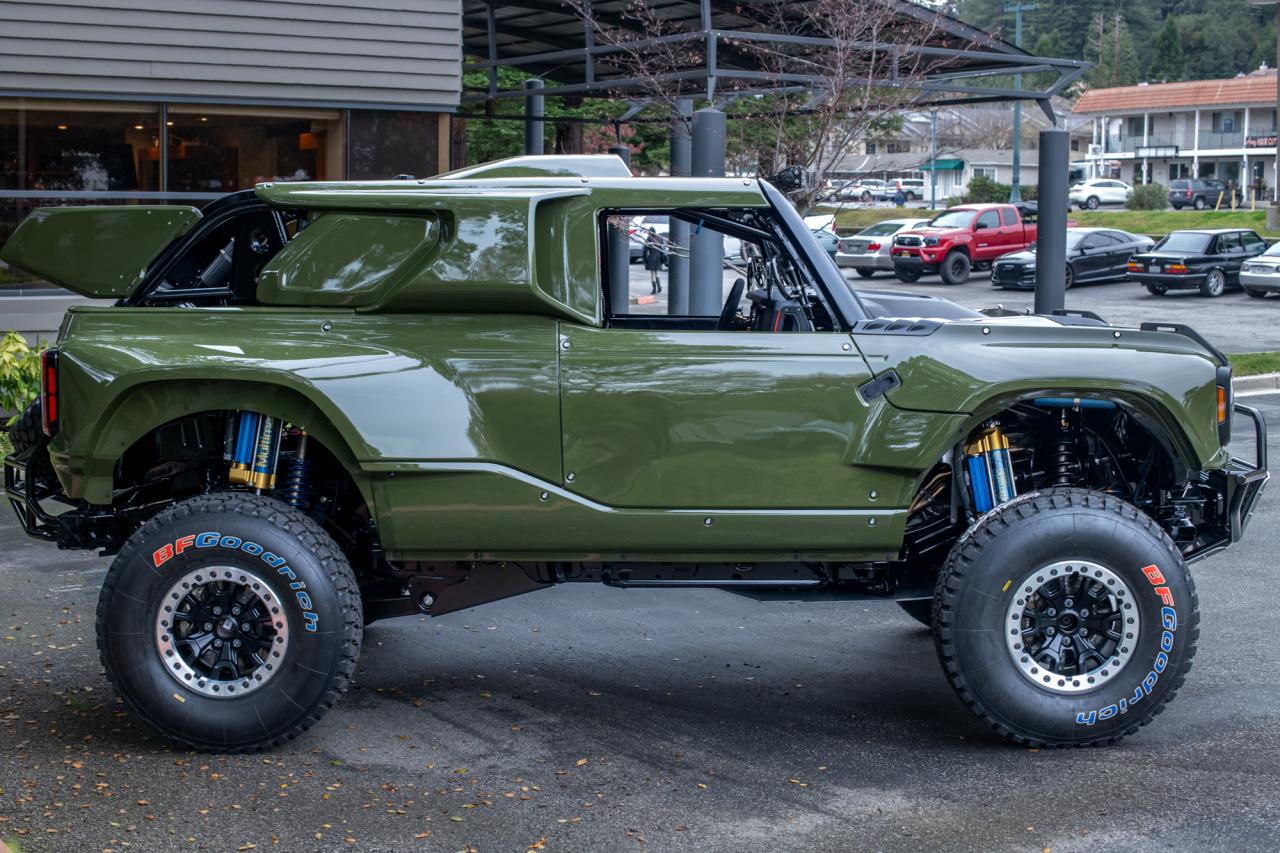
point(208, 626)
point(1066, 642)
point(217, 644)
point(1068, 603)
point(235, 611)
point(235, 644)
point(217, 611)
point(245, 626)
point(1051, 631)
point(1084, 614)
point(1083, 632)
point(1052, 611)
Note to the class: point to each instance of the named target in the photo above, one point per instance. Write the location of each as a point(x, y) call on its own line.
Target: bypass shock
point(255, 450)
point(990, 469)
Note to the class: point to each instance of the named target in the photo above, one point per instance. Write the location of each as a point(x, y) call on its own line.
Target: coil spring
point(1066, 467)
point(296, 490)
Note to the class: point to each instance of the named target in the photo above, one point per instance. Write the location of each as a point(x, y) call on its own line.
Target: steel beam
point(678, 232)
point(706, 254)
point(1051, 233)
point(619, 256)
point(534, 138)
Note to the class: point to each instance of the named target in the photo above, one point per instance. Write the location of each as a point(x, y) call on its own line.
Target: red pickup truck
point(961, 239)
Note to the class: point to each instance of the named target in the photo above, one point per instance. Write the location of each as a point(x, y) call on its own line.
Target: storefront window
point(79, 147)
point(386, 143)
point(212, 151)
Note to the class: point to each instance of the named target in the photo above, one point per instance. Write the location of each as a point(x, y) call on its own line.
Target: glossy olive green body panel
point(99, 252)
point(701, 419)
point(980, 368)
point(391, 386)
point(348, 260)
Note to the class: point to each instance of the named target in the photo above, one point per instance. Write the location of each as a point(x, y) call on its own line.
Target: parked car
point(1093, 255)
point(867, 252)
point(1095, 192)
point(866, 189)
point(960, 239)
point(1196, 192)
point(823, 228)
point(1207, 259)
point(424, 401)
point(1260, 275)
point(912, 188)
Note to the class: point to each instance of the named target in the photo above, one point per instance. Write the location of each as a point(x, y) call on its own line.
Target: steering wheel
point(730, 310)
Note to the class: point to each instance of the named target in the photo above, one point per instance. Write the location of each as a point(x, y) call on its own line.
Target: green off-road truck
point(315, 405)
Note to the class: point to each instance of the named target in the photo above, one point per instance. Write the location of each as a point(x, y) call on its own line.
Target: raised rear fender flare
point(143, 408)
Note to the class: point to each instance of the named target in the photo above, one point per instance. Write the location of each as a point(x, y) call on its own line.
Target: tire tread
point(312, 537)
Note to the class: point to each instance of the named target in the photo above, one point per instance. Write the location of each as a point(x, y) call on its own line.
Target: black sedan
point(1093, 254)
point(1208, 260)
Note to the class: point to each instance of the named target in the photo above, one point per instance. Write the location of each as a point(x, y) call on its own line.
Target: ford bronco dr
point(315, 405)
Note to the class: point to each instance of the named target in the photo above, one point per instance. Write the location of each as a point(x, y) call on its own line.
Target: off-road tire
point(976, 590)
point(1214, 284)
point(920, 609)
point(27, 431)
point(908, 276)
point(1157, 289)
point(864, 273)
point(955, 268)
point(318, 659)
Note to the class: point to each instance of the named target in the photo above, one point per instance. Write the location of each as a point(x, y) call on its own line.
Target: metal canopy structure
point(557, 42)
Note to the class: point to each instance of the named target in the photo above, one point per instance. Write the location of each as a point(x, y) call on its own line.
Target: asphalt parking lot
point(589, 719)
point(1233, 322)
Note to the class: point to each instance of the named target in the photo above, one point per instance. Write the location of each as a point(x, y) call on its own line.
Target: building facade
point(1160, 132)
point(147, 101)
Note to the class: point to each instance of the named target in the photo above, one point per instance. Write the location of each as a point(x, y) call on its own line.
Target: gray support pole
point(620, 256)
point(533, 109)
point(933, 159)
point(678, 257)
point(706, 254)
point(1051, 235)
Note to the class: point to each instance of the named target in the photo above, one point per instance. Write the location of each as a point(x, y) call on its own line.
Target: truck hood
point(929, 230)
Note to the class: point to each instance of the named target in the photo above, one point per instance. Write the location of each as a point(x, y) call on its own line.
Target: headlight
point(931, 241)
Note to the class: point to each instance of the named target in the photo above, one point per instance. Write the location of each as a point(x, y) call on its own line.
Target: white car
point(1095, 192)
point(912, 188)
point(868, 250)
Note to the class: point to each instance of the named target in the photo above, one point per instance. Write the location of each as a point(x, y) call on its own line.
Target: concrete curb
point(1263, 383)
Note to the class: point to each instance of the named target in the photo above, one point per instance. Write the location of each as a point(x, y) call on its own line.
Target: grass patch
point(1253, 363)
point(1154, 223)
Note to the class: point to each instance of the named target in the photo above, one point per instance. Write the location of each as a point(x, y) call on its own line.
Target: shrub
point(1148, 197)
point(983, 190)
point(19, 374)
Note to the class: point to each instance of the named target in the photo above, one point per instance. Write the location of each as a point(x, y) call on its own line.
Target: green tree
point(1111, 50)
point(1168, 62)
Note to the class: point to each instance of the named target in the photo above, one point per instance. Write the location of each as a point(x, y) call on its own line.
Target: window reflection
point(211, 152)
point(60, 147)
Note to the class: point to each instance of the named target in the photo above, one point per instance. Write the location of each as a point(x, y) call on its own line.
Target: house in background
point(972, 141)
point(1159, 132)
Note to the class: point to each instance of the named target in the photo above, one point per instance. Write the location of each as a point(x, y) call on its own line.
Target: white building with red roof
point(1160, 132)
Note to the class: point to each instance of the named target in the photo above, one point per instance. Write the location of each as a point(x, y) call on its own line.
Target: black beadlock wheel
point(230, 622)
point(1066, 618)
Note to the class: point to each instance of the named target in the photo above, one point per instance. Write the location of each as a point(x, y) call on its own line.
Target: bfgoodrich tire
point(1066, 618)
point(230, 622)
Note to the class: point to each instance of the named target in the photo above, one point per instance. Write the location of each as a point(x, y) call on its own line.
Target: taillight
point(1133, 266)
point(873, 247)
point(49, 392)
point(1175, 268)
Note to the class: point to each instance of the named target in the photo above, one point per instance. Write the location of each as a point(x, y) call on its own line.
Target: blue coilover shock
point(990, 469)
point(296, 491)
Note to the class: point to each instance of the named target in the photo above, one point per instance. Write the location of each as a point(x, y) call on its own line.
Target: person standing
point(653, 259)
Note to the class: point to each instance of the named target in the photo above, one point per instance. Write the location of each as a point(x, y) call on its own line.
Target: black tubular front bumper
point(1238, 483)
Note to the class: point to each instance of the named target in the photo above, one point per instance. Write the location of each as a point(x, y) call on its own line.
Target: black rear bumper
point(1238, 485)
